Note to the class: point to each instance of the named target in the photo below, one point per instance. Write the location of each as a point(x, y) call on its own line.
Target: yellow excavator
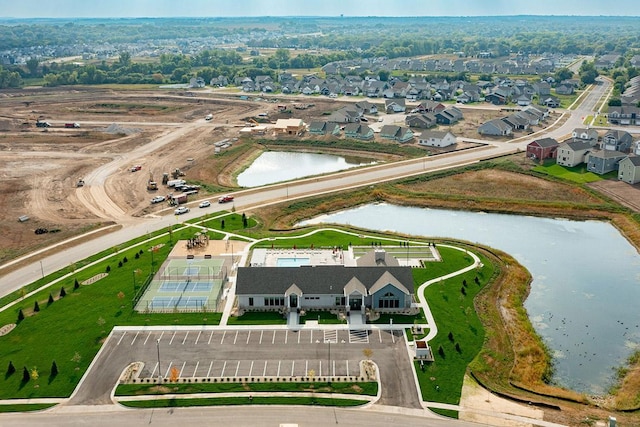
point(151, 184)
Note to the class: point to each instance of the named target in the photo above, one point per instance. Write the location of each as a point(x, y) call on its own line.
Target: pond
point(280, 166)
point(586, 280)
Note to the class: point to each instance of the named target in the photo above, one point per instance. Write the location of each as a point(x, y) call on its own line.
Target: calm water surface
point(586, 280)
point(279, 166)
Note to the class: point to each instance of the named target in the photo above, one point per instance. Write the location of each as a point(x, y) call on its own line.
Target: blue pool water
point(292, 262)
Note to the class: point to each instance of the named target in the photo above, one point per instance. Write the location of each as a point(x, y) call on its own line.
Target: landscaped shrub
point(20, 316)
point(119, 264)
point(76, 285)
point(54, 369)
point(36, 307)
point(25, 375)
point(10, 369)
point(125, 260)
point(108, 269)
point(50, 300)
point(62, 292)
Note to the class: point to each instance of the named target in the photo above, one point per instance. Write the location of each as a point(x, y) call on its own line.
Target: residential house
point(397, 133)
point(430, 107)
point(423, 121)
point(523, 100)
point(573, 153)
point(530, 116)
point(617, 140)
point(289, 127)
point(495, 127)
point(449, 116)
point(220, 81)
point(196, 82)
point(516, 121)
point(542, 88)
point(384, 288)
point(635, 149)
point(629, 170)
point(367, 107)
point(497, 98)
point(585, 134)
point(396, 105)
point(358, 131)
point(604, 161)
point(540, 149)
point(624, 115)
point(434, 138)
point(550, 101)
point(324, 128)
point(564, 89)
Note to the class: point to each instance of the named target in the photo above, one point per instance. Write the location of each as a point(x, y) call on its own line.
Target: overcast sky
point(235, 8)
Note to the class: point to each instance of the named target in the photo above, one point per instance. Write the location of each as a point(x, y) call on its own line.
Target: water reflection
point(279, 166)
point(586, 280)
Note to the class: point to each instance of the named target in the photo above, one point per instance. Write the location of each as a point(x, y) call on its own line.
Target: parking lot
point(250, 354)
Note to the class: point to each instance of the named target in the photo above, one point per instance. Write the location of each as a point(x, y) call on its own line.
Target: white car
point(205, 204)
point(157, 199)
point(181, 210)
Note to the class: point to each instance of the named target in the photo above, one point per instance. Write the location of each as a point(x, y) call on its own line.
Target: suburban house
point(384, 288)
point(367, 107)
point(564, 89)
point(516, 121)
point(624, 115)
point(395, 106)
point(324, 128)
point(449, 116)
point(437, 139)
point(588, 135)
point(617, 140)
point(397, 133)
point(629, 170)
point(495, 127)
point(430, 107)
point(603, 161)
point(358, 131)
point(573, 153)
point(424, 120)
point(540, 149)
point(289, 127)
point(550, 101)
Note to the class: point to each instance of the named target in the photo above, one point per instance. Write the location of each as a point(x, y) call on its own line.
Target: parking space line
point(306, 367)
point(299, 335)
point(198, 337)
point(134, 338)
point(293, 364)
point(347, 367)
point(161, 336)
point(182, 369)
point(210, 336)
point(286, 336)
point(264, 373)
point(125, 333)
point(237, 368)
point(185, 338)
point(209, 371)
point(279, 362)
point(311, 337)
point(393, 337)
point(380, 334)
point(235, 338)
point(251, 368)
point(196, 370)
point(248, 336)
point(172, 337)
point(223, 334)
point(273, 341)
point(154, 370)
point(145, 341)
point(334, 368)
point(320, 374)
point(166, 375)
point(223, 366)
point(261, 332)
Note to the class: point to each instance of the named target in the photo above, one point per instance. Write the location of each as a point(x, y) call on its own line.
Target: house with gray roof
point(629, 170)
point(604, 161)
point(495, 127)
point(380, 287)
point(544, 148)
point(617, 140)
point(449, 116)
point(358, 131)
point(434, 138)
point(396, 105)
point(397, 133)
point(573, 153)
point(324, 128)
point(423, 121)
point(585, 134)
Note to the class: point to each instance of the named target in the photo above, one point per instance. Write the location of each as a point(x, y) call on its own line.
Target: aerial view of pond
point(279, 166)
point(586, 280)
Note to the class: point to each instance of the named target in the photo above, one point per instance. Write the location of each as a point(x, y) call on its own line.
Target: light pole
point(159, 370)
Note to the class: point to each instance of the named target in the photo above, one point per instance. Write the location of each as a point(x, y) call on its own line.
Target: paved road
point(219, 352)
point(249, 199)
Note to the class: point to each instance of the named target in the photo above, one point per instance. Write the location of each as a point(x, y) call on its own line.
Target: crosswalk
point(331, 336)
point(358, 336)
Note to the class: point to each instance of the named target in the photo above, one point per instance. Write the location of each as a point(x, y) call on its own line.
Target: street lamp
point(159, 370)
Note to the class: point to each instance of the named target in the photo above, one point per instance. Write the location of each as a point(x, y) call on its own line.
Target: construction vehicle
point(80, 183)
point(177, 173)
point(43, 124)
point(151, 184)
point(165, 178)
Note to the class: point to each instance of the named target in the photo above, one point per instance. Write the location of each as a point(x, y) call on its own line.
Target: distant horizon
point(116, 9)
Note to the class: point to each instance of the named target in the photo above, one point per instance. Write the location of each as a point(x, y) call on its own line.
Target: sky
point(239, 8)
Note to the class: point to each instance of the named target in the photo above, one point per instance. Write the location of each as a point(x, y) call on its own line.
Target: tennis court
point(187, 286)
point(179, 303)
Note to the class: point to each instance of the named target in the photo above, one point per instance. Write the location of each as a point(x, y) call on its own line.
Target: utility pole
point(159, 370)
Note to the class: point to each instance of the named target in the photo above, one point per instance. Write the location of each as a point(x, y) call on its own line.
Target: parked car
point(205, 204)
point(181, 210)
point(157, 199)
point(136, 168)
point(225, 199)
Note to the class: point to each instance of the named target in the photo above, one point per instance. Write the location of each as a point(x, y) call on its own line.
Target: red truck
point(72, 125)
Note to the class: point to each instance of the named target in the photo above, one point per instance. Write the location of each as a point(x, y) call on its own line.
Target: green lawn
point(26, 408)
point(441, 381)
point(322, 316)
point(258, 318)
point(577, 174)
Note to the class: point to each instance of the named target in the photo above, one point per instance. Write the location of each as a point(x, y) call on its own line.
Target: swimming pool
point(292, 262)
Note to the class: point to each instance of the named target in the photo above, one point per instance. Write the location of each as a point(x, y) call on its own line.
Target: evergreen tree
point(450, 336)
point(25, 375)
point(11, 369)
point(50, 301)
point(62, 292)
point(76, 285)
point(54, 369)
point(441, 351)
point(20, 316)
point(36, 307)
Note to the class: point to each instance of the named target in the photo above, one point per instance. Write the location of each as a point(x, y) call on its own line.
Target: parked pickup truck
point(72, 125)
point(225, 199)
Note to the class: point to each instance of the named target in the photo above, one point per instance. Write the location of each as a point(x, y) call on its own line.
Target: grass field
point(577, 174)
point(228, 401)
